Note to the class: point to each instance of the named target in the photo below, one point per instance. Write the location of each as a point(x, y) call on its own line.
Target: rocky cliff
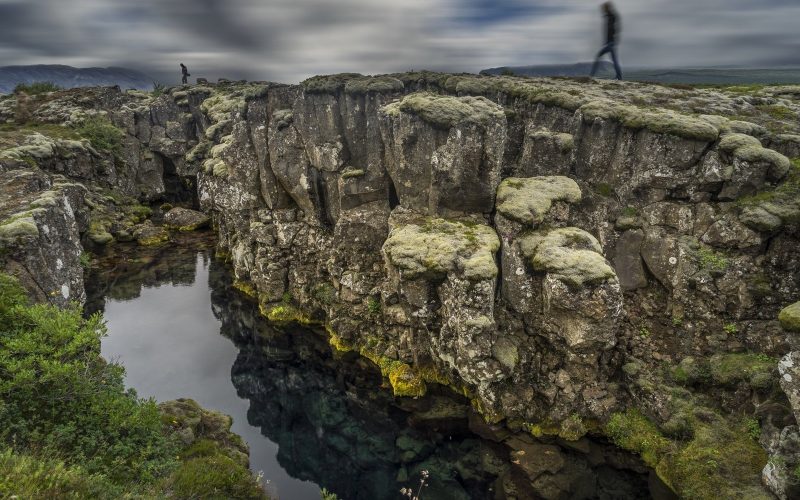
point(575, 257)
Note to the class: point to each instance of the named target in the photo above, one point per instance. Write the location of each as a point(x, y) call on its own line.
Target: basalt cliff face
point(575, 257)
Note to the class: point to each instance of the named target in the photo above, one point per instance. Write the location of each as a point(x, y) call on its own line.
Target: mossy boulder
point(747, 148)
point(570, 254)
point(527, 200)
point(184, 219)
point(445, 111)
point(789, 318)
point(431, 248)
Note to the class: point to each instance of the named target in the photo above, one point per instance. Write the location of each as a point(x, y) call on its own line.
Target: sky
point(289, 40)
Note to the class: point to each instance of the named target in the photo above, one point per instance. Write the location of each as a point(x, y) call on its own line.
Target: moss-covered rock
point(570, 254)
point(377, 84)
point(660, 121)
point(432, 248)
point(527, 200)
point(18, 228)
point(446, 111)
point(148, 234)
point(790, 318)
point(184, 219)
point(328, 84)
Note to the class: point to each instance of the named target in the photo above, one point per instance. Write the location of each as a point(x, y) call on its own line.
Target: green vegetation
point(446, 111)
point(660, 121)
point(158, 89)
point(769, 210)
point(70, 429)
point(720, 459)
point(433, 247)
point(36, 88)
point(377, 84)
point(789, 318)
point(710, 260)
point(730, 328)
point(102, 134)
point(528, 200)
point(374, 305)
point(570, 254)
point(328, 84)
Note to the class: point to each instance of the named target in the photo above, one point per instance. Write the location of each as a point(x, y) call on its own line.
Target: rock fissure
point(528, 238)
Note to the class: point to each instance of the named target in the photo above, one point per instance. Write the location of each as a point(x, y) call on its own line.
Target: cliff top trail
point(582, 259)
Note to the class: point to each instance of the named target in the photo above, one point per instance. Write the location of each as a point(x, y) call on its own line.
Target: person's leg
point(600, 54)
point(616, 62)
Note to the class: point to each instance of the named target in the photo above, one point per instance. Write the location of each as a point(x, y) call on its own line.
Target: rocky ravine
point(574, 257)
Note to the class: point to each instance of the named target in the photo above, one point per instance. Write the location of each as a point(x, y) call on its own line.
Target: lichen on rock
point(527, 200)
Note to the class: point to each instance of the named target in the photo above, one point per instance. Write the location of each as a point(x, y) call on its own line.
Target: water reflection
point(312, 418)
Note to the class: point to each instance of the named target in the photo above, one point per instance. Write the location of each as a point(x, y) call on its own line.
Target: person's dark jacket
point(612, 26)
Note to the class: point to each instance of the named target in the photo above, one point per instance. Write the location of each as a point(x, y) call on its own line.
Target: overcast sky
point(288, 40)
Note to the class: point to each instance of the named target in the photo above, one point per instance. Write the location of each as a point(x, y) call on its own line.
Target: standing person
point(612, 33)
point(185, 74)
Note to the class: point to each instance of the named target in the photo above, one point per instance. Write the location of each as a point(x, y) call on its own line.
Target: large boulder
point(443, 153)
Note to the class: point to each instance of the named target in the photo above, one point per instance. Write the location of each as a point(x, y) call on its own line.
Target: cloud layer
point(288, 40)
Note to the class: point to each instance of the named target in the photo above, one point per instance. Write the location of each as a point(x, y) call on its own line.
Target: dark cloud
point(287, 40)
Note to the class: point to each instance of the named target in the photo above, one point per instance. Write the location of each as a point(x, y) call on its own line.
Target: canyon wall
point(574, 257)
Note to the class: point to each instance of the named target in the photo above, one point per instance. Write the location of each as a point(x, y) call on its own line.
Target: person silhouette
point(184, 74)
point(612, 34)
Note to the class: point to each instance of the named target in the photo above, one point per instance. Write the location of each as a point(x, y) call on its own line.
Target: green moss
point(350, 172)
point(632, 431)
point(730, 369)
point(528, 200)
point(286, 313)
point(328, 84)
point(721, 461)
point(377, 84)
point(570, 254)
point(731, 142)
point(660, 121)
point(605, 190)
point(374, 305)
point(405, 381)
point(446, 111)
point(16, 229)
point(789, 318)
point(246, 288)
point(432, 248)
point(710, 260)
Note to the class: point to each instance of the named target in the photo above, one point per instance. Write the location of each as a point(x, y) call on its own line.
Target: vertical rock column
point(558, 281)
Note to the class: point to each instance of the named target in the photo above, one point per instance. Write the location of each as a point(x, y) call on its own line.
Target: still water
point(312, 418)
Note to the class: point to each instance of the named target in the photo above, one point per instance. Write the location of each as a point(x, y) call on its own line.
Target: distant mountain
point(577, 69)
point(719, 76)
point(68, 77)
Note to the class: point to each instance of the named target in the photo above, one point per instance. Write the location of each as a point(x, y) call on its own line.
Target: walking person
point(184, 74)
point(612, 34)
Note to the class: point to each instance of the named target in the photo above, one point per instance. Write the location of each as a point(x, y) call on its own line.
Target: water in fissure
point(313, 418)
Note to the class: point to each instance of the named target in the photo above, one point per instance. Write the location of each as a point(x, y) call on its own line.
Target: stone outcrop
point(534, 244)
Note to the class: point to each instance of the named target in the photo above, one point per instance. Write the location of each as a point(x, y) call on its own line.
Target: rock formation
point(558, 251)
